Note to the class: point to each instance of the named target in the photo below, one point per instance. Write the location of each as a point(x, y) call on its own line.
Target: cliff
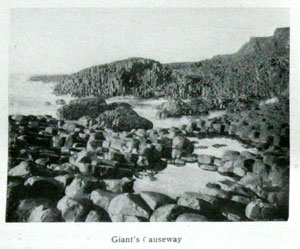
point(260, 68)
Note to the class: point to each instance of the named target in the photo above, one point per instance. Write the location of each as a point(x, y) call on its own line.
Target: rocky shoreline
point(83, 169)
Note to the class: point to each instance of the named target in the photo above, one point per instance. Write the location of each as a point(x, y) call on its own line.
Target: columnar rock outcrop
point(260, 68)
point(65, 171)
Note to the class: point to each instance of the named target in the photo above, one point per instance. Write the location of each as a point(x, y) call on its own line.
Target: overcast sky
point(67, 40)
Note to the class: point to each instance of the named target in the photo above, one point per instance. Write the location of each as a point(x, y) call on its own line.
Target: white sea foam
point(28, 97)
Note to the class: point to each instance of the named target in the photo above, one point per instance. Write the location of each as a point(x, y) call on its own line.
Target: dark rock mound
point(78, 108)
point(117, 116)
point(123, 119)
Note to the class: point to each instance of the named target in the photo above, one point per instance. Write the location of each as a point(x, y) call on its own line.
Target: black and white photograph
point(148, 115)
point(149, 124)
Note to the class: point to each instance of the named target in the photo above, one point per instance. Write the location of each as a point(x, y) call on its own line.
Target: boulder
point(240, 199)
point(189, 159)
point(207, 198)
point(278, 176)
point(78, 108)
point(179, 163)
point(177, 153)
point(143, 162)
point(73, 210)
point(114, 155)
point(230, 155)
point(129, 204)
point(260, 168)
point(228, 166)
point(191, 217)
point(42, 214)
point(239, 171)
point(208, 167)
point(119, 185)
point(131, 157)
point(82, 158)
point(64, 180)
point(251, 181)
point(218, 162)
point(151, 154)
point(195, 201)
point(282, 197)
point(69, 142)
point(216, 192)
point(258, 210)
point(44, 187)
point(155, 199)
point(102, 198)
point(26, 207)
point(247, 163)
point(233, 211)
point(16, 191)
point(64, 168)
point(123, 119)
point(180, 142)
point(69, 127)
point(168, 212)
point(42, 162)
point(126, 218)
point(97, 216)
point(20, 118)
point(205, 159)
point(94, 145)
point(22, 170)
point(81, 187)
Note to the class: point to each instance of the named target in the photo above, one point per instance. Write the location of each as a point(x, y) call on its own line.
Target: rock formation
point(259, 69)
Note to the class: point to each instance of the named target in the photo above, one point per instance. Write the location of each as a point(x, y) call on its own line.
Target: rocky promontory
point(259, 69)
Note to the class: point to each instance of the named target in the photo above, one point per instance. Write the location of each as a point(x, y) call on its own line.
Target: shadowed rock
point(155, 199)
point(123, 119)
point(168, 212)
point(191, 217)
point(78, 108)
point(129, 204)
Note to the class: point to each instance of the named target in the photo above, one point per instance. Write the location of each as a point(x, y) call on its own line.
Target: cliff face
point(260, 69)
